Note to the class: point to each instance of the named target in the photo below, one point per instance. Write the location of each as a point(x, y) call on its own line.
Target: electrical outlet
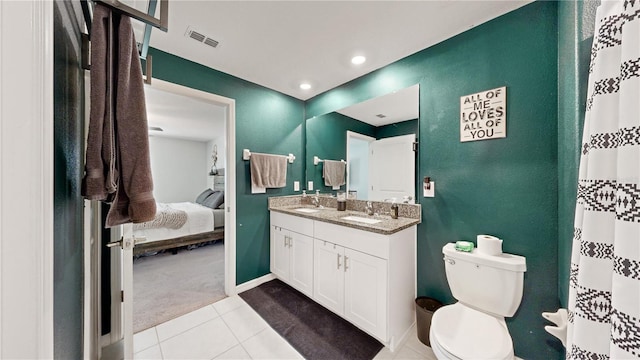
point(429, 189)
point(296, 186)
point(310, 186)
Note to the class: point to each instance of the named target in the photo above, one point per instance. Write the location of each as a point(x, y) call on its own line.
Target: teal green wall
point(327, 139)
point(521, 188)
point(266, 121)
point(576, 21)
point(68, 206)
point(398, 129)
point(505, 187)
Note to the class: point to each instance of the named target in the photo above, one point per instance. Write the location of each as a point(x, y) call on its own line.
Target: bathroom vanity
point(359, 267)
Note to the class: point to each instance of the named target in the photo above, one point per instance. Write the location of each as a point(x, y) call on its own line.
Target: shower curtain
point(604, 295)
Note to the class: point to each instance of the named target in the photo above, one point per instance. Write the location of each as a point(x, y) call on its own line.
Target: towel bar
point(317, 160)
point(246, 155)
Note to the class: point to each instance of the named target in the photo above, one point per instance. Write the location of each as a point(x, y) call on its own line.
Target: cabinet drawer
point(294, 223)
point(360, 240)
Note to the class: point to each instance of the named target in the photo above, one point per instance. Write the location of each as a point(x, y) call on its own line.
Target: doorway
point(119, 280)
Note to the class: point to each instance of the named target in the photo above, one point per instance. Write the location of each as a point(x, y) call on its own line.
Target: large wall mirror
point(375, 139)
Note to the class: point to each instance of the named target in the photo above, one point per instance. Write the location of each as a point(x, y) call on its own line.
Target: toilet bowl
point(488, 289)
point(460, 332)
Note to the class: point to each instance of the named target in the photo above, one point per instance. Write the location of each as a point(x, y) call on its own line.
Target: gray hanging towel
point(334, 173)
point(125, 140)
point(267, 171)
point(100, 166)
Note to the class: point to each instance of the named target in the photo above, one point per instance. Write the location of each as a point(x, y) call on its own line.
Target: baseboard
point(397, 344)
point(255, 282)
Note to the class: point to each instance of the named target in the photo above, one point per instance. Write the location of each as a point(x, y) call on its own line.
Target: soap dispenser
point(394, 210)
point(342, 200)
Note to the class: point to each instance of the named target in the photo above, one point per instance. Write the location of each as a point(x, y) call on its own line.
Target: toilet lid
point(471, 334)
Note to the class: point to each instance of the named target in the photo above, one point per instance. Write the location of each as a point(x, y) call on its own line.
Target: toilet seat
point(460, 332)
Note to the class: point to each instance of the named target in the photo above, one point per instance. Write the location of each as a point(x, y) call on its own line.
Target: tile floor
point(231, 329)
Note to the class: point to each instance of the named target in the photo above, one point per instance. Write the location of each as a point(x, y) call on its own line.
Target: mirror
point(375, 138)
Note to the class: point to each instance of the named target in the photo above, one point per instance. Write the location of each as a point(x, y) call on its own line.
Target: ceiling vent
point(200, 37)
point(381, 116)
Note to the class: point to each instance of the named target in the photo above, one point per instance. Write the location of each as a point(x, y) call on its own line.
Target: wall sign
point(484, 115)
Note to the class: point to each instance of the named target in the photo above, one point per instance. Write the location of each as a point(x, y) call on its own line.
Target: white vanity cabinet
point(292, 251)
point(376, 291)
point(366, 277)
point(352, 284)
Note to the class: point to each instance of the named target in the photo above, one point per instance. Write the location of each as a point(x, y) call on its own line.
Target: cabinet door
point(280, 252)
point(366, 292)
point(328, 275)
point(301, 250)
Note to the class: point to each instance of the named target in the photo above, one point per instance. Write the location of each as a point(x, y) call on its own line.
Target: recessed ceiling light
point(305, 86)
point(357, 60)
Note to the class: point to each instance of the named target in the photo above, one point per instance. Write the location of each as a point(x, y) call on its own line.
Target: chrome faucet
point(316, 199)
point(369, 208)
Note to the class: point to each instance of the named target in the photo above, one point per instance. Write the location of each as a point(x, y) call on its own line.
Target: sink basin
point(361, 219)
point(307, 210)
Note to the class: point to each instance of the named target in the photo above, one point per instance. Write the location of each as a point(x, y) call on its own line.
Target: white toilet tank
point(489, 283)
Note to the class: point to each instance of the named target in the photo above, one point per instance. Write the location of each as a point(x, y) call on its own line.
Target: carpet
point(166, 286)
point(315, 332)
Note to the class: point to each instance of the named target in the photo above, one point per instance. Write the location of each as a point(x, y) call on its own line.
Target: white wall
point(179, 168)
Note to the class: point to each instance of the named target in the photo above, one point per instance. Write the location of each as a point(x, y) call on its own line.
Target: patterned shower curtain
point(604, 295)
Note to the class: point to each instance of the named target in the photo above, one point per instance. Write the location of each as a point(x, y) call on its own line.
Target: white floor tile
point(235, 353)
point(269, 345)
point(203, 334)
point(416, 345)
point(384, 354)
point(405, 353)
point(227, 304)
point(205, 341)
point(145, 339)
point(185, 322)
point(244, 322)
point(152, 353)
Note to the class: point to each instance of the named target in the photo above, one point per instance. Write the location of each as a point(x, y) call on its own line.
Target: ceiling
point(279, 44)
point(183, 117)
point(395, 107)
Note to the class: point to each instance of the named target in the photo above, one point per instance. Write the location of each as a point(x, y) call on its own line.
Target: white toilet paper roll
point(489, 245)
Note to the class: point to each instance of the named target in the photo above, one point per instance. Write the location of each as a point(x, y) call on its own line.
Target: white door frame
point(230, 172)
point(26, 179)
point(355, 135)
point(230, 204)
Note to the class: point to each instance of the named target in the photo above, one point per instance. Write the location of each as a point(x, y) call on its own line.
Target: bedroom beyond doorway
point(166, 286)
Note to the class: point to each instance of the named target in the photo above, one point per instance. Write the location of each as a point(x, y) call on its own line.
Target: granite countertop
point(330, 214)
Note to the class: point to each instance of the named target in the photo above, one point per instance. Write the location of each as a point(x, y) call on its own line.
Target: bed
point(182, 224)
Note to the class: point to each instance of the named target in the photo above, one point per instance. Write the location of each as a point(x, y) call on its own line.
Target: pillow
point(214, 200)
point(203, 195)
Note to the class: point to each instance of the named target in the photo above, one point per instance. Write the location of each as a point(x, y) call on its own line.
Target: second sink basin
point(361, 219)
point(307, 210)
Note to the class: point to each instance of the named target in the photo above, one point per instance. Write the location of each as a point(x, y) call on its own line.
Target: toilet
point(488, 289)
